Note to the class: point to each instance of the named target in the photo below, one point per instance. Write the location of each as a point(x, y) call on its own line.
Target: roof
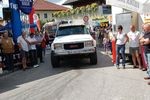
point(41, 5)
point(68, 2)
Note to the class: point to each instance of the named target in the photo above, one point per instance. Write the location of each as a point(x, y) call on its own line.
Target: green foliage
point(79, 10)
point(42, 22)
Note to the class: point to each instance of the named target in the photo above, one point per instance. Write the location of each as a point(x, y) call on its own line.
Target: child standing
point(106, 43)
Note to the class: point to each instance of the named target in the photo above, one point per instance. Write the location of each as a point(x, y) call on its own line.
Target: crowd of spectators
point(138, 42)
point(24, 53)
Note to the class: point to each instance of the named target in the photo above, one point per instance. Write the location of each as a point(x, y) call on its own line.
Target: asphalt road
point(76, 80)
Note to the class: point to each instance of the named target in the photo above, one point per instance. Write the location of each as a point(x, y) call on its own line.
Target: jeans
point(122, 48)
point(148, 63)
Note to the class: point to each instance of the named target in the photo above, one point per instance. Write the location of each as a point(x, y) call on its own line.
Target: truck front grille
point(72, 46)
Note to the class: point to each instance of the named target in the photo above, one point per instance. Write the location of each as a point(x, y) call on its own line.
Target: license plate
point(73, 52)
point(73, 46)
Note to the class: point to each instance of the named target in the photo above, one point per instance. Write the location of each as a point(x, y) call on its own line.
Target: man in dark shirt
point(145, 41)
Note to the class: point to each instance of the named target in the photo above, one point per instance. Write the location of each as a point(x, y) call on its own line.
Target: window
point(106, 9)
point(72, 30)
point(38, 15)
point(45, 15)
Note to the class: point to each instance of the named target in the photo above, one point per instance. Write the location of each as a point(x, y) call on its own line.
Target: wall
point(41, 13)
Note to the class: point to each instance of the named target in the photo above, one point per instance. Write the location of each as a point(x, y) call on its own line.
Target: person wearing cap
point(8, 50)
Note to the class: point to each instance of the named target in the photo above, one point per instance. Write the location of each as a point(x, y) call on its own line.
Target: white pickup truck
point(73, 39)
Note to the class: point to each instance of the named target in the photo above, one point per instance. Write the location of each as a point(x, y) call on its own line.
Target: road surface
point(76, 80)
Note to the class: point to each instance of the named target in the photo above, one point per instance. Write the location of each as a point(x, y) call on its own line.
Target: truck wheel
point(55, 61)
point(93, 58)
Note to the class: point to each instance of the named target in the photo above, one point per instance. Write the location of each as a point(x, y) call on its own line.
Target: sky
point(5, 4)
point(57, 1)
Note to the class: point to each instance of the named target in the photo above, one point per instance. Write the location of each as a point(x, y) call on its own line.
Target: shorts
point(24, 54)
point(134, 50)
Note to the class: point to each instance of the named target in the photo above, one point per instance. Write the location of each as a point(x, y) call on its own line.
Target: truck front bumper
point(74, 52)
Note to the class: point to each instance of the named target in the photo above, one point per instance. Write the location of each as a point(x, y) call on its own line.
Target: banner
point(146, 9)
point(25, 6)
point(37, 21)
point(132, 5)
point(15, 19)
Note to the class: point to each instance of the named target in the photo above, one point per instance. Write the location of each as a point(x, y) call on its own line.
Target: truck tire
point(93, 58)
point(55, 61)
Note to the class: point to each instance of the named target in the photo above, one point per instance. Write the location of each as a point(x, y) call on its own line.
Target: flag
point(15, 19)
point(37, 21)
point(31, 20)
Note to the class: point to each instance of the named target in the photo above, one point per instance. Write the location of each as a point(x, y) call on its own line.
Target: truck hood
point(73, 38)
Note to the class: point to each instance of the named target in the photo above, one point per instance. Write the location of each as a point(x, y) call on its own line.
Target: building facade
point(44, 9)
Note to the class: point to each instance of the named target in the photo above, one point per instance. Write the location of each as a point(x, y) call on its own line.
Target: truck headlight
point(89, 43)
point(58, 46)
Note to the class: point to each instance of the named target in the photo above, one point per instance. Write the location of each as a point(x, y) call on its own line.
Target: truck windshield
point(72, 30)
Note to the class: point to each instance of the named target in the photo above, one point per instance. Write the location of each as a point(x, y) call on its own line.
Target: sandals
point(134, 67)
point(147, 78)
point(148, 83)
point(144, 69)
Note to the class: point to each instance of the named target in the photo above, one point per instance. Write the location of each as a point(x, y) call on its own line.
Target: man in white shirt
point(134, 36)
point(32, 50)
point(24, 46)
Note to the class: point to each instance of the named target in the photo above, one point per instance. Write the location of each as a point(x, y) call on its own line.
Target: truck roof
point(72, 23)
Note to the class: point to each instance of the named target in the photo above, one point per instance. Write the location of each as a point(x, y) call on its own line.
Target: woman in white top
point(120, 45)
point(134, 45)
